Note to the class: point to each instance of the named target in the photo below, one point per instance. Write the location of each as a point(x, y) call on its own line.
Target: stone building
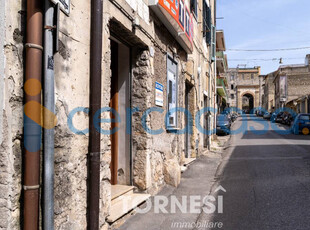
point(155, 58)
point(268, 100)
point(291, 82)
point(231, 77)
point(248, 86)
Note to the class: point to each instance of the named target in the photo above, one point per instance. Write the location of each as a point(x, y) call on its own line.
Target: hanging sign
point(64, 5)
point(159, 94)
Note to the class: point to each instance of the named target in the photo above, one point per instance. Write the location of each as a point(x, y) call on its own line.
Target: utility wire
point(268, 50)
point(264, 59)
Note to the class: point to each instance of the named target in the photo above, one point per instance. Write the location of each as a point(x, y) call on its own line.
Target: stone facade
point(231, 77)
point(247, 81)
point(156, 159)
point(297, 83)
point(268, 102)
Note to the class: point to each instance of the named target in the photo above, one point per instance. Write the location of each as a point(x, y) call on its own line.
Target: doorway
point(206, 124)
point(119, 102)
point(188, 121)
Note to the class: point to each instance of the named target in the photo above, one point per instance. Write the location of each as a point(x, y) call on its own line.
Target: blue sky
point(265, 24)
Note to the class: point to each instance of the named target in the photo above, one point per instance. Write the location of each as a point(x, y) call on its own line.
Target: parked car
point(301, 124)
point(288, 119)
point(261, 113)
point(234, 117)
point(279, 117)
point(273, 117)
point(223, 124)
point(267, 116)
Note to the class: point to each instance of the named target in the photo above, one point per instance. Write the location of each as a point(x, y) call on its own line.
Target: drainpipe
point(32, 114)
point(95, 105)
point(48, 115)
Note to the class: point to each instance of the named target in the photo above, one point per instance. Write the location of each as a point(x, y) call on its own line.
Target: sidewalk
point(198, 180)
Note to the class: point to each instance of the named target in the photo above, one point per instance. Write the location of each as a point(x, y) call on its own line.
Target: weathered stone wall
point(11, 84)
point(72, 91)
point(157, 158)
point(269, 91)
point(298, 81)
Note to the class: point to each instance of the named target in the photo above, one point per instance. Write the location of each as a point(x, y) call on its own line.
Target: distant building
point(291, 83)
point(246, 82)
point(268, 100)
point(231, 77)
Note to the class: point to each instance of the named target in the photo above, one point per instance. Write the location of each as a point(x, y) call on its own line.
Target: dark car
point(279, 117)
point(267, 116)
point(288, 119)
point(273, 117)
point(261, 113)
point(234, 117)
point(301, 124)
point(223, 124)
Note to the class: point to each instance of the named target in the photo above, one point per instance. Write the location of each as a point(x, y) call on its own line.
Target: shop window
point(172, 87)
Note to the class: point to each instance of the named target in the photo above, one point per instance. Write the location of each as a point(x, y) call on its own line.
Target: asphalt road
point(266, 175)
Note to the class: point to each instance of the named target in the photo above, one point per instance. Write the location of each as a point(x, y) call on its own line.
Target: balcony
point(221, 62)
point(221, 88)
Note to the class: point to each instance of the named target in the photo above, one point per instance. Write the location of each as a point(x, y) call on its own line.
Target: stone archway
point(248, 102)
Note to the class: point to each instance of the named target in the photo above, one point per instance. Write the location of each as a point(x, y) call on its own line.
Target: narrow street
point(266, 178)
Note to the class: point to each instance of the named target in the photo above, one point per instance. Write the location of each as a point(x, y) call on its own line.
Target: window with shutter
point(207, 22)
point(194, 7)
point(213, 43)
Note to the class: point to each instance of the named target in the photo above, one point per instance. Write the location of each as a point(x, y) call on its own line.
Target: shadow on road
point(267, 182)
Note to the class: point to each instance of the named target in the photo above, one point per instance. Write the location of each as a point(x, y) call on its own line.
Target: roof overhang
point(220, 41)
point(168, 14)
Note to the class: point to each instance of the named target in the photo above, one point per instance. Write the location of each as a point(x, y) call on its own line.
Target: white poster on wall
point(159, 94)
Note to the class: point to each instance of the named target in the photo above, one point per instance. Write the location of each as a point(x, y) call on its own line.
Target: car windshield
point(222, 118)
point(304, 117)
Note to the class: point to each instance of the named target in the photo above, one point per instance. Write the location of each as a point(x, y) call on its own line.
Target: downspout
point(32, 115)
point(95, 105)
point(48, 118)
